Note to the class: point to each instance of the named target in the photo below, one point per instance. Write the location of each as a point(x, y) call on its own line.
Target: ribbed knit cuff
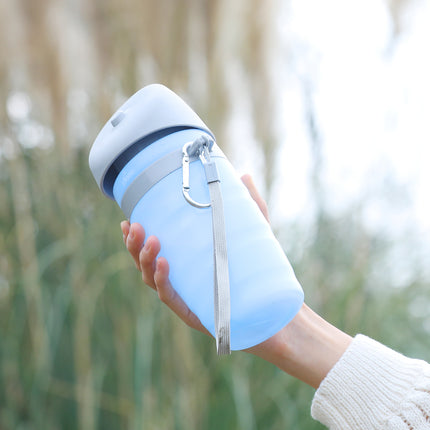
point(368, 388)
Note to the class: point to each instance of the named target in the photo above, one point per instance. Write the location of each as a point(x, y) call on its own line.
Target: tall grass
point(83, 343)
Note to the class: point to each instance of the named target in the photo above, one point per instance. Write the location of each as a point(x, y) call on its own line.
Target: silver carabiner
point(186, 172)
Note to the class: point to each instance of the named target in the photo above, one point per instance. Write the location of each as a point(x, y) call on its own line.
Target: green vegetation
point(83, 343)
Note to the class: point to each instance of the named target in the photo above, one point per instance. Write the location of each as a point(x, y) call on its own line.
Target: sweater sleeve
point(374, 387)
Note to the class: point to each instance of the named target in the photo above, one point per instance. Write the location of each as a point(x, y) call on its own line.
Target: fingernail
point(131, 233)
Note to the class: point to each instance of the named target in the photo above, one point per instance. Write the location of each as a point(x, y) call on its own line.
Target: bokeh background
point(325, 103)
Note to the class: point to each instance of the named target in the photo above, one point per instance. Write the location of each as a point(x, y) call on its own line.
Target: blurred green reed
point(85, 345)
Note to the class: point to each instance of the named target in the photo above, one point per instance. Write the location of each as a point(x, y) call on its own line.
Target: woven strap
point(221, 274)
point(155, 173)
point(202, 147)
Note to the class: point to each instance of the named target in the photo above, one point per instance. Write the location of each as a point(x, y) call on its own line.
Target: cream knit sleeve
point(374, 387)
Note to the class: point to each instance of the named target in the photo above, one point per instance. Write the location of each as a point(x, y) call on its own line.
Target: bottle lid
point(152, 110)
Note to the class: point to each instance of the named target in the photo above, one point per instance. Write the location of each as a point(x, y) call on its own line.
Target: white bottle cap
point(151, 110)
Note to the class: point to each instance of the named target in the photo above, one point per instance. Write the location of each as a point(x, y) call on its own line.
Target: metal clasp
point(201, 148)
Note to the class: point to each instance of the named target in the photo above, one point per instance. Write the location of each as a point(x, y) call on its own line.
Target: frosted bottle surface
point(265, 294)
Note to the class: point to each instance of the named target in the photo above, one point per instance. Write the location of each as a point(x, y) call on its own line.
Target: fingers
point(147, 257)
point(143, 254)
point(133, 239)
point(155, 273)
point(171, 298)
point(125, 227)
point(261, 203)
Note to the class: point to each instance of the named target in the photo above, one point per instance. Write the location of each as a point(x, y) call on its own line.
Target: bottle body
point(265, 294)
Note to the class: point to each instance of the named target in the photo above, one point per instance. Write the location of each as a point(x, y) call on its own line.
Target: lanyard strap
point(206, 150)
point(202, 146)
point(221, 276)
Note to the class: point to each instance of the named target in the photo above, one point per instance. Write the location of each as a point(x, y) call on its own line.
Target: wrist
point(306, 348)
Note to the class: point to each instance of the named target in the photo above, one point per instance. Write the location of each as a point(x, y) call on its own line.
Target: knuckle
point(145, 259)
point(147, 279)
point(190, 319)
point(164, 296)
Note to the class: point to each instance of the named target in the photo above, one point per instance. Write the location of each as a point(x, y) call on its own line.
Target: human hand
point(306, 348)
point(155, 271)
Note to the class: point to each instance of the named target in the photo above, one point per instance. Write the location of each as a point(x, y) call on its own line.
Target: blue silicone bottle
point(265, 294)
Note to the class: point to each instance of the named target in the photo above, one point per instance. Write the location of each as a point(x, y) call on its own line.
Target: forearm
point(307, 348)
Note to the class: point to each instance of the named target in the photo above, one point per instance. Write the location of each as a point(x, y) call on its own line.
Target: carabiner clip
point(203, 153)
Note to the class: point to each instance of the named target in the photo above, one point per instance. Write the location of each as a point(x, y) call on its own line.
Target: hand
point(155, 271)
point(306, 348)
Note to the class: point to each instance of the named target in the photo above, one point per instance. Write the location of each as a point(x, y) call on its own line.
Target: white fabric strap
point(221, 273)
point(202, 146)
point(155, 173)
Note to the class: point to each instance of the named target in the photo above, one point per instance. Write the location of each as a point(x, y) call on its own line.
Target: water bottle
point(138, 159)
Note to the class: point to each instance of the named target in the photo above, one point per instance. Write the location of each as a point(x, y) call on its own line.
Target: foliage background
point(82, 343)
